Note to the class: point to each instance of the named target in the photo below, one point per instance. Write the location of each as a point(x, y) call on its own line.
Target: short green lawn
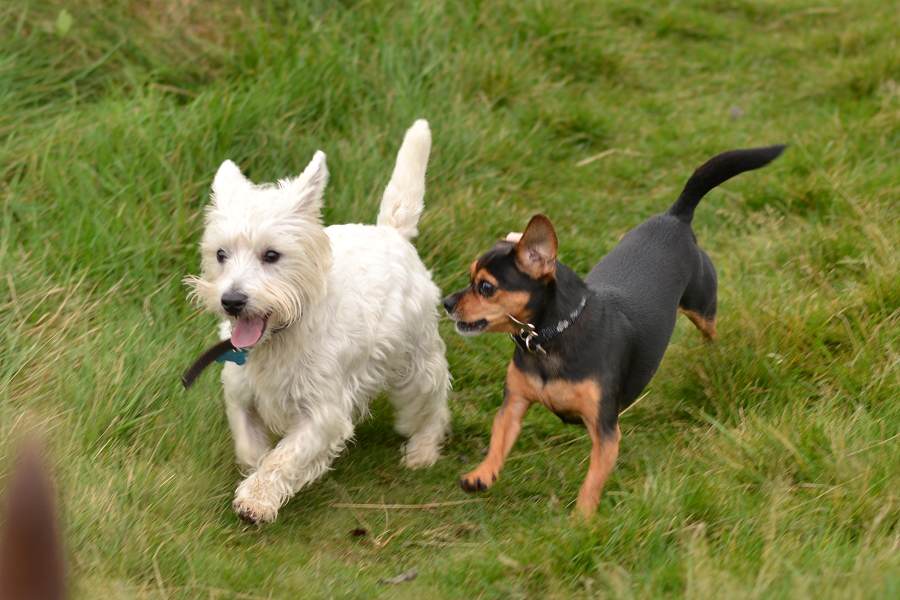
point(764, 466)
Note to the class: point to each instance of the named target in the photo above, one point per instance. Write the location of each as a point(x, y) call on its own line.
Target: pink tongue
point(246, 332)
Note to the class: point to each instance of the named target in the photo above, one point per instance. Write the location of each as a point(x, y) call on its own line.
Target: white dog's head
point(265, 254)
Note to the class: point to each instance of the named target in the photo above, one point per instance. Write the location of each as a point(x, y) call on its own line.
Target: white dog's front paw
point(255, 502)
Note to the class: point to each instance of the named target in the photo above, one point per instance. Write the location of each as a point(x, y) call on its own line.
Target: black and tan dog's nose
point(450, 302)
point(234, 302)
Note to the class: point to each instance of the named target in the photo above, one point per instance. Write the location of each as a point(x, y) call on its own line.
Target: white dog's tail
point(402, 203)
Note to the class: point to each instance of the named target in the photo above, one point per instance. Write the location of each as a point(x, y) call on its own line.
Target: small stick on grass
point(426, 506)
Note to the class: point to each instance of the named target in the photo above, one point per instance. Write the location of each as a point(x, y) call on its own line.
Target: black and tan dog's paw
point(477, 481)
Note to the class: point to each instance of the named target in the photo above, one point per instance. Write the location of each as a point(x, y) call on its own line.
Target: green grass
point(764, 466)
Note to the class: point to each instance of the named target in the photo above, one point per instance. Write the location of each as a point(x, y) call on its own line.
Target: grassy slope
point(763, 466)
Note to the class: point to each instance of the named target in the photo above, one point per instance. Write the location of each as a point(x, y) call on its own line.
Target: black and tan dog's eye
point(220, 256)
point(271, 256)
point(486, 288)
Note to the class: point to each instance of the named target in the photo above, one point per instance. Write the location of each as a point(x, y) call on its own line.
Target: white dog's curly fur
point(334, 315)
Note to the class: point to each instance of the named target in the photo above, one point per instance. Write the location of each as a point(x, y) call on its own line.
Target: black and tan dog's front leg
point(507, 424)
point(604, 452)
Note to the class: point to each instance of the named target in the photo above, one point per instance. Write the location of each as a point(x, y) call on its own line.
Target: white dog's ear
point(228, 178)
point(309, 187)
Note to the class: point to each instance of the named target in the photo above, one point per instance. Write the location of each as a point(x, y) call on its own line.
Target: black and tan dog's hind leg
point(698, 303)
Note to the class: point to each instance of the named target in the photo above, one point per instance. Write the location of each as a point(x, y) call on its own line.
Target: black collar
point(532, 340)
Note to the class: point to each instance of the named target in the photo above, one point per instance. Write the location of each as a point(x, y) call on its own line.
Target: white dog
point(332, 316)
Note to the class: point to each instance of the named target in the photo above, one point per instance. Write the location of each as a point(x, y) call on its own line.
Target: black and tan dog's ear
point(536, 249)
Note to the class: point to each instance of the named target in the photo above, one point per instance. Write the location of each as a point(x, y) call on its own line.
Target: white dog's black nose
point(234, 302)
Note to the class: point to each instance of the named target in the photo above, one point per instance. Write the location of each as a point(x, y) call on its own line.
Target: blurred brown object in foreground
point(31, 563)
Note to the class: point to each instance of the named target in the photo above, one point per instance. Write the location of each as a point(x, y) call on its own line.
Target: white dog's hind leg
point(420, 403)
point(300, 458)
point(251, 441)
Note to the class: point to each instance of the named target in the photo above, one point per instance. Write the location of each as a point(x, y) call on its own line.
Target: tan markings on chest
point(563, 397)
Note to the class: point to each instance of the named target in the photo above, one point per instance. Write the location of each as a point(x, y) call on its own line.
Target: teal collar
point(238, 357)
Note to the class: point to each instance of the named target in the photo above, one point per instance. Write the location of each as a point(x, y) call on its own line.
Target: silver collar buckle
point(527, 333)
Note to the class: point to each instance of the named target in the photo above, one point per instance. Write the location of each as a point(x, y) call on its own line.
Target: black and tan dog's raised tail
point(717, 171)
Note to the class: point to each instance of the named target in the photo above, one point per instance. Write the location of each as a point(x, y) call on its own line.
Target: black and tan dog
point(586, 349)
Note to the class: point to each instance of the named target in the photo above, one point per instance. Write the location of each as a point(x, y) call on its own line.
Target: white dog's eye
point(271, 256)
point(220, 256)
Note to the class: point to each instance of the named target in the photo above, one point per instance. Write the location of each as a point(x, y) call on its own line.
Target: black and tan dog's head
point(509, 280)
